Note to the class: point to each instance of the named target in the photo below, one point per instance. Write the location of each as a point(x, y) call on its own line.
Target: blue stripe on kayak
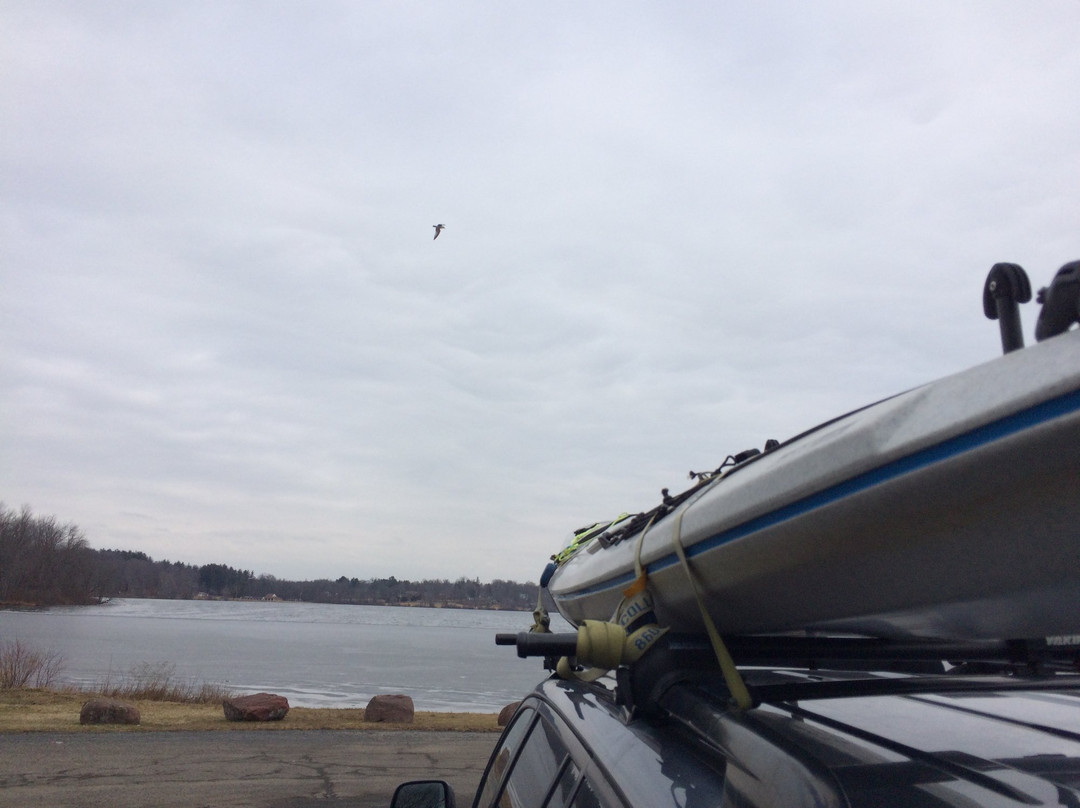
point(953, 447)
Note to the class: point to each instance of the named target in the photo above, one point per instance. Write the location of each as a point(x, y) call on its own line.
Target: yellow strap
point(604, 646)
point(732, 677)
point(566, 672)
point(637, 587)
point(601, 644)
point(641, 577)
point(541, 618)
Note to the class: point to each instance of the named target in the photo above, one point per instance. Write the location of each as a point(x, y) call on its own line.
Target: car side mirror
point(424, 794)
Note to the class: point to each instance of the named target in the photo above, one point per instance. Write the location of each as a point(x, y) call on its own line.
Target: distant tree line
point(464, 592)
point(44, 563)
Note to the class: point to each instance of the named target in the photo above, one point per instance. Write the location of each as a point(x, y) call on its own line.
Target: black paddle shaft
point(530, 643)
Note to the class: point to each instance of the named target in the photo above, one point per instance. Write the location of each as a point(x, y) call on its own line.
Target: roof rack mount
point(808, 651)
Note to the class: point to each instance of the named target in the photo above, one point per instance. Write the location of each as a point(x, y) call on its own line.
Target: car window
point(564, 787)
point(533, 768)
point(586, 797)
point(533, 774)
point(503, 756)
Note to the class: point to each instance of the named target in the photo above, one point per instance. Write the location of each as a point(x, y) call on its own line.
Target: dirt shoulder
point(50, 711)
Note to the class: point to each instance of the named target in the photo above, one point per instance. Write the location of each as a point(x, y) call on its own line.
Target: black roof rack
point(960, 666)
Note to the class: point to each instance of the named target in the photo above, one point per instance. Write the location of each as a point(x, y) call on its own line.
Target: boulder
point(390, 709)
point(108, 711)
point(259, 707)
point(507, 712)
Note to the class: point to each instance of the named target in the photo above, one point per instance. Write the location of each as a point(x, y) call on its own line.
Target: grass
point(24, 666)
point(41, 710)
point(158, 682)
point(29, 702)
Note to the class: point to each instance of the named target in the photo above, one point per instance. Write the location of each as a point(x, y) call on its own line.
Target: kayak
point(948, 511)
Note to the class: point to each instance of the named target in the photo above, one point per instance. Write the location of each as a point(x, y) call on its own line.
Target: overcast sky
point(673, 230)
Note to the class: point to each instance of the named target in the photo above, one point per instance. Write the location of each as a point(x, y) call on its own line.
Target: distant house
point(272, 597)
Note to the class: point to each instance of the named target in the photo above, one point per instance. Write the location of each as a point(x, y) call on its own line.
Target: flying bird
point(438, 229)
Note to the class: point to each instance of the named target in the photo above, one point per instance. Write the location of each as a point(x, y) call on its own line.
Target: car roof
point(835, 738)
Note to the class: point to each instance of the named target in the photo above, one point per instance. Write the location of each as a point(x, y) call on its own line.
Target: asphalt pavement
point(282, 769)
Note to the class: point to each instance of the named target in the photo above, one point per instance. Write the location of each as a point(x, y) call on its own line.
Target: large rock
point(390, 709)
point(259, 707)
point(108, 711)
point(507, 712)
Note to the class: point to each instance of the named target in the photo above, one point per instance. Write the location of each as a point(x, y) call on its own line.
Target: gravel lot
point(296, 769)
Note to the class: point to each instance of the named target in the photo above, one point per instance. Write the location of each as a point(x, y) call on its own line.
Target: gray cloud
point(228, 335)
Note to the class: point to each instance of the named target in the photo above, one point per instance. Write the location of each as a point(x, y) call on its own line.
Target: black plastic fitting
point(1006, 287)
point(1060, 303)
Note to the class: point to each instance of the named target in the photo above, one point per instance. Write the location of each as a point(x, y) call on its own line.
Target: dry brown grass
point(157, 682)
point(24, 666)
point(36, 710)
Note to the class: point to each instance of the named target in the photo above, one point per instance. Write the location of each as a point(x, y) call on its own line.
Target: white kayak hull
point(950, 511)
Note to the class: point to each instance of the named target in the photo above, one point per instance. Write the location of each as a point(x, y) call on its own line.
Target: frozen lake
point(316, 655)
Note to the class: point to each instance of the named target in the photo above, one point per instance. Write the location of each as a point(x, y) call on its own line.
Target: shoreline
point(42, 710)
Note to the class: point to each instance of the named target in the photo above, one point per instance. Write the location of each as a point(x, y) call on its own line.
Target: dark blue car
point(1002, 729)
